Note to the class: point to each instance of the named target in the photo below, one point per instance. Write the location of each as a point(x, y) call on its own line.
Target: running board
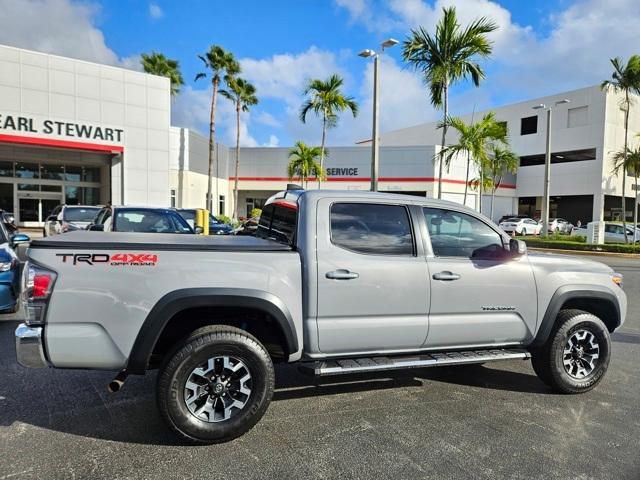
point(375, 364)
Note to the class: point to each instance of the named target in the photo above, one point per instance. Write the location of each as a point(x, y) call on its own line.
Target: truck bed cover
point(157, 241)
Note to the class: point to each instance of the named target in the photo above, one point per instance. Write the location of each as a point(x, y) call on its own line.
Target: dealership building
point(77, 132)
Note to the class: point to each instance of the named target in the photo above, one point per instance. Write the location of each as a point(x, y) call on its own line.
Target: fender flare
point(179, 300)
point(564, 294)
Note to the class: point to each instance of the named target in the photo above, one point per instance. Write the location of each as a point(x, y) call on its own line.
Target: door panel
point(492, 302)
point(384, 307)
point(485, 296)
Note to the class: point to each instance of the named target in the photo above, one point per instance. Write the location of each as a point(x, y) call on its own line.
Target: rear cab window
point(279, 221)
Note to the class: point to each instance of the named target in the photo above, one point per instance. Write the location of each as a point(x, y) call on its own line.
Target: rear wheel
point(216, 385)
point(576, 355)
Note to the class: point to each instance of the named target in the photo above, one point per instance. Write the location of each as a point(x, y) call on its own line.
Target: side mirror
point(517, 247)
point(198, 230)
point(94, 227)
point(19, 238)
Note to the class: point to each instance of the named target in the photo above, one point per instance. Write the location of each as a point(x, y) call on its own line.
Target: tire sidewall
point(193, 354)
point(594, 325)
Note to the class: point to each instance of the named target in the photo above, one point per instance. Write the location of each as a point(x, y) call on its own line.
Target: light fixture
point(367, 53)
point(389, 42)
point(539, 106)
point(564, 100)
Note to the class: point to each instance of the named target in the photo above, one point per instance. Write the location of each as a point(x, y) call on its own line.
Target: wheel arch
point(183, 300)
point(599, 302)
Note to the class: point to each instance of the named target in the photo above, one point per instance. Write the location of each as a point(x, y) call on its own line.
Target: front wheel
point(215, 385)
point(576, 355)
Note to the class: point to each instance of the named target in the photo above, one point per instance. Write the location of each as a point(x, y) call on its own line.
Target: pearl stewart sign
point(13, 123)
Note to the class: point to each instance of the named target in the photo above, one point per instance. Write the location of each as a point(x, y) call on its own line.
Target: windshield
point(80, 214)
point(516, 220)
point(150, 221)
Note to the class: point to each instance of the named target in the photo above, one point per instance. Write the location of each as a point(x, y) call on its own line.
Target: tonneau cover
point(157, 241)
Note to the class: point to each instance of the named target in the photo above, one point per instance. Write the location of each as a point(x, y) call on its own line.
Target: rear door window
point(368, 228)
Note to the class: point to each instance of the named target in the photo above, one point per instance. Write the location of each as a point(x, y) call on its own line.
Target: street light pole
point(375, 140)
point(547, 168)
point(375, 152)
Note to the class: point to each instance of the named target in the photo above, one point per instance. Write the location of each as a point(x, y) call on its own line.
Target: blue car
point(9, 269)
point(216, 227)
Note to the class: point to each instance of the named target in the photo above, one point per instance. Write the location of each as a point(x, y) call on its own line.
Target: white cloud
point(61, 27)
point(273, 141)
point(191, 109)
point(155, 12)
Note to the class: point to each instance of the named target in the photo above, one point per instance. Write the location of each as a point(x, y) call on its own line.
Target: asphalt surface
point(495, 421)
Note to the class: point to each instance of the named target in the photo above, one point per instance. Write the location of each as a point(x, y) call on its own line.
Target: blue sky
point(542, 47)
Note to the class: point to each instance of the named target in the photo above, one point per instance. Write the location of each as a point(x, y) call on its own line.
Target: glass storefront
point(31, 190)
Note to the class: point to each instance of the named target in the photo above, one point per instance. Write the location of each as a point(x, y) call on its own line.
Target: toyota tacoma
point(335, 281)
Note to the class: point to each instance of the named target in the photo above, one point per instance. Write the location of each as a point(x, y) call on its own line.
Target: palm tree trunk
point(480, 187)
point(493, 196)
point(324, 136)
point(444, 134)
point(624, 167)
point(466, 183)
point(212, 143)
point(235, 186)
point(635, 208)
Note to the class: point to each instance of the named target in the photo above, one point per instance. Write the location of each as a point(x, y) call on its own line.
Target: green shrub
point(224, 219)
point(579, 243)
point(255, 213)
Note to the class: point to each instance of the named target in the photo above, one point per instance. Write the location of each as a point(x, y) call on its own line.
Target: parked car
point(216, 227)
point(9, 269)
point(139, 219)
point(613, 233)
point(9, 220)
point(560, 225)
point(506, 217)
point(521, 226)
point(68, 218)
point(340, 282)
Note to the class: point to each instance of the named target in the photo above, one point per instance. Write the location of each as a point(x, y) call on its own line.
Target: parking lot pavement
point(495, 421)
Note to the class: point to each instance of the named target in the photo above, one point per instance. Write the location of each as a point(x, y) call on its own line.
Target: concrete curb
point(585, 252)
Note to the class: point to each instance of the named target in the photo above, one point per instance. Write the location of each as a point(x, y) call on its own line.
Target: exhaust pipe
point(116, 384)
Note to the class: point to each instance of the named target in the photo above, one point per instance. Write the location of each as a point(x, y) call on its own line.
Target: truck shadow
point(74, 402)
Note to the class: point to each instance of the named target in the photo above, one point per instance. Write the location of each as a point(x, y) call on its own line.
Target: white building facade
point(77, 132)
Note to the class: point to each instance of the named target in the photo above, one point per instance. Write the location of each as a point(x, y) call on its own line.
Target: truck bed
point(157, 241)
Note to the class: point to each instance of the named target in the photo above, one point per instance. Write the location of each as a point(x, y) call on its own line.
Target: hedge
point(539, 242)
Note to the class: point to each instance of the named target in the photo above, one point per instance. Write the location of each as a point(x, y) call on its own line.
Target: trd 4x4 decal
point(115, 259)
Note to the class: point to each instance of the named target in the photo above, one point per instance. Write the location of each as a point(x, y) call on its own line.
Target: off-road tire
point(198, 347)
point(547, 360)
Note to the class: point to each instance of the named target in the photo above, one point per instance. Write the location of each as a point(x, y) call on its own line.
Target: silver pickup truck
point(340, 282)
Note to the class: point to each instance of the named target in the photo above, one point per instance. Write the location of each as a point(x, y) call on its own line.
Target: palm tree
point(326, 100)
point(501, 160)
point(473, 141)
point(448, 57)
point(158, 64)
point(243, 95)
point(303, 162)
point(629, 162)
point(625, 79)
point(219, 63)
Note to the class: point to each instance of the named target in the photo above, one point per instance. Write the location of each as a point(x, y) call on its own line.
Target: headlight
point(618, 279)
point(5, 266)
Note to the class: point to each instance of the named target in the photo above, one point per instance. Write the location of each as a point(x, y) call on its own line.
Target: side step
point(375, 364)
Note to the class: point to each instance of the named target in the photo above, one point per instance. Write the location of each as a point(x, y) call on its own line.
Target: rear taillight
point(37, 284)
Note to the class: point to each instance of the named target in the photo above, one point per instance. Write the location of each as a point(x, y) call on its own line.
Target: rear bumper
point(29, 347)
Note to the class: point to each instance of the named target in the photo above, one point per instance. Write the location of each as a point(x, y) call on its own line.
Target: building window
point(529, 125)
point(173, 198)
point(577, 117)
point(221, 202)
point(559, 157)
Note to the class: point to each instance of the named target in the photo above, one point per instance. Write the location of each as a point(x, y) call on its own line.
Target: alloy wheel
point(581, 353)
point(218, 389)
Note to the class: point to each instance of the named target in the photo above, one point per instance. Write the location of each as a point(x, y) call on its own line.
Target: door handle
point(341, 274)
point(446, 276)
